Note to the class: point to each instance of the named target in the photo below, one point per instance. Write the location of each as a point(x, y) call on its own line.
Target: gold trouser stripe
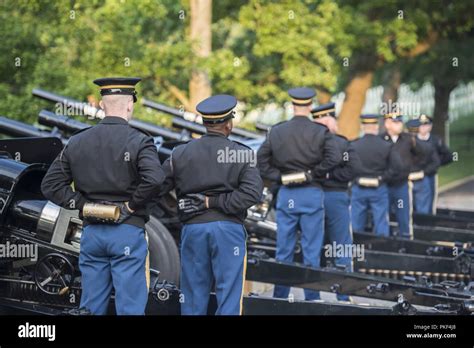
point(351, 233)
point(243, 280)
point(147, 265)
point(410, 199)
point(435, 194)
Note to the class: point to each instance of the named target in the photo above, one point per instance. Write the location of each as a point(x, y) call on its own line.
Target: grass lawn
point(462, 142)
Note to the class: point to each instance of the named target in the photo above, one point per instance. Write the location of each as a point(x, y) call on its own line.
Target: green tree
point(297, 43)
point(392, 31)
point(446, 65)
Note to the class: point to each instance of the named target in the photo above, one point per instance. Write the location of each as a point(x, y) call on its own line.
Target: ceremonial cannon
point(68, 126)
point(92, 112)
point(15, 129)
point(370, 281)
point(46, 146)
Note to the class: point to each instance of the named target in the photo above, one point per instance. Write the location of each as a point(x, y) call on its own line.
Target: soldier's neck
point(423, 136)
point(214, 131)
point(118, 115)
point(392, 134)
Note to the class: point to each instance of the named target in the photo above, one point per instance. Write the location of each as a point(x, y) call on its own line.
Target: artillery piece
point(261, 244)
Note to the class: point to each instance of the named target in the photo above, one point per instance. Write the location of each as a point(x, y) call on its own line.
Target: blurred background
point(360, 54)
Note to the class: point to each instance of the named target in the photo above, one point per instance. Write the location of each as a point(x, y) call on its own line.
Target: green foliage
point(260, 47)
point(449, 60)
point(64, 46)
point(306, 38)
point(322, 43)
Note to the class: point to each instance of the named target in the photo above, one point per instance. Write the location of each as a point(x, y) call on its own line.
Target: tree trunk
point(323, 96)
point(353, 104)
point(443, 90)
point(391, 84)
point(201, 37)
point(361, 81)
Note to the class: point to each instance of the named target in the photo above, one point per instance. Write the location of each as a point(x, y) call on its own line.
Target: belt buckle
point(296, 178)
point(369, 182)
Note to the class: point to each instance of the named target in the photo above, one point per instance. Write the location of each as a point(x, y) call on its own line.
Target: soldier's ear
point(101, 104)
point(130, 105)
point(230, 125)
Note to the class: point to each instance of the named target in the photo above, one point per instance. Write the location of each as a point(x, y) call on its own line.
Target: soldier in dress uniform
point(298, 154)
point(216, 181)
point(337, 220)
point(369, 189)
point(399, 190)
point(444, 153)
point(423, 166)
point(114, 167)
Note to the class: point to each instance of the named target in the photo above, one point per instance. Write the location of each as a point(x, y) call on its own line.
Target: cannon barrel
point(167, 109)
point(91, 111)
point(154, 130)
point(189, 116)
point(158, 131)
point(263, 127)
point(76, 105)
point(16, 128)
point(64, 123)
point(50, 119)
point(188, 125)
